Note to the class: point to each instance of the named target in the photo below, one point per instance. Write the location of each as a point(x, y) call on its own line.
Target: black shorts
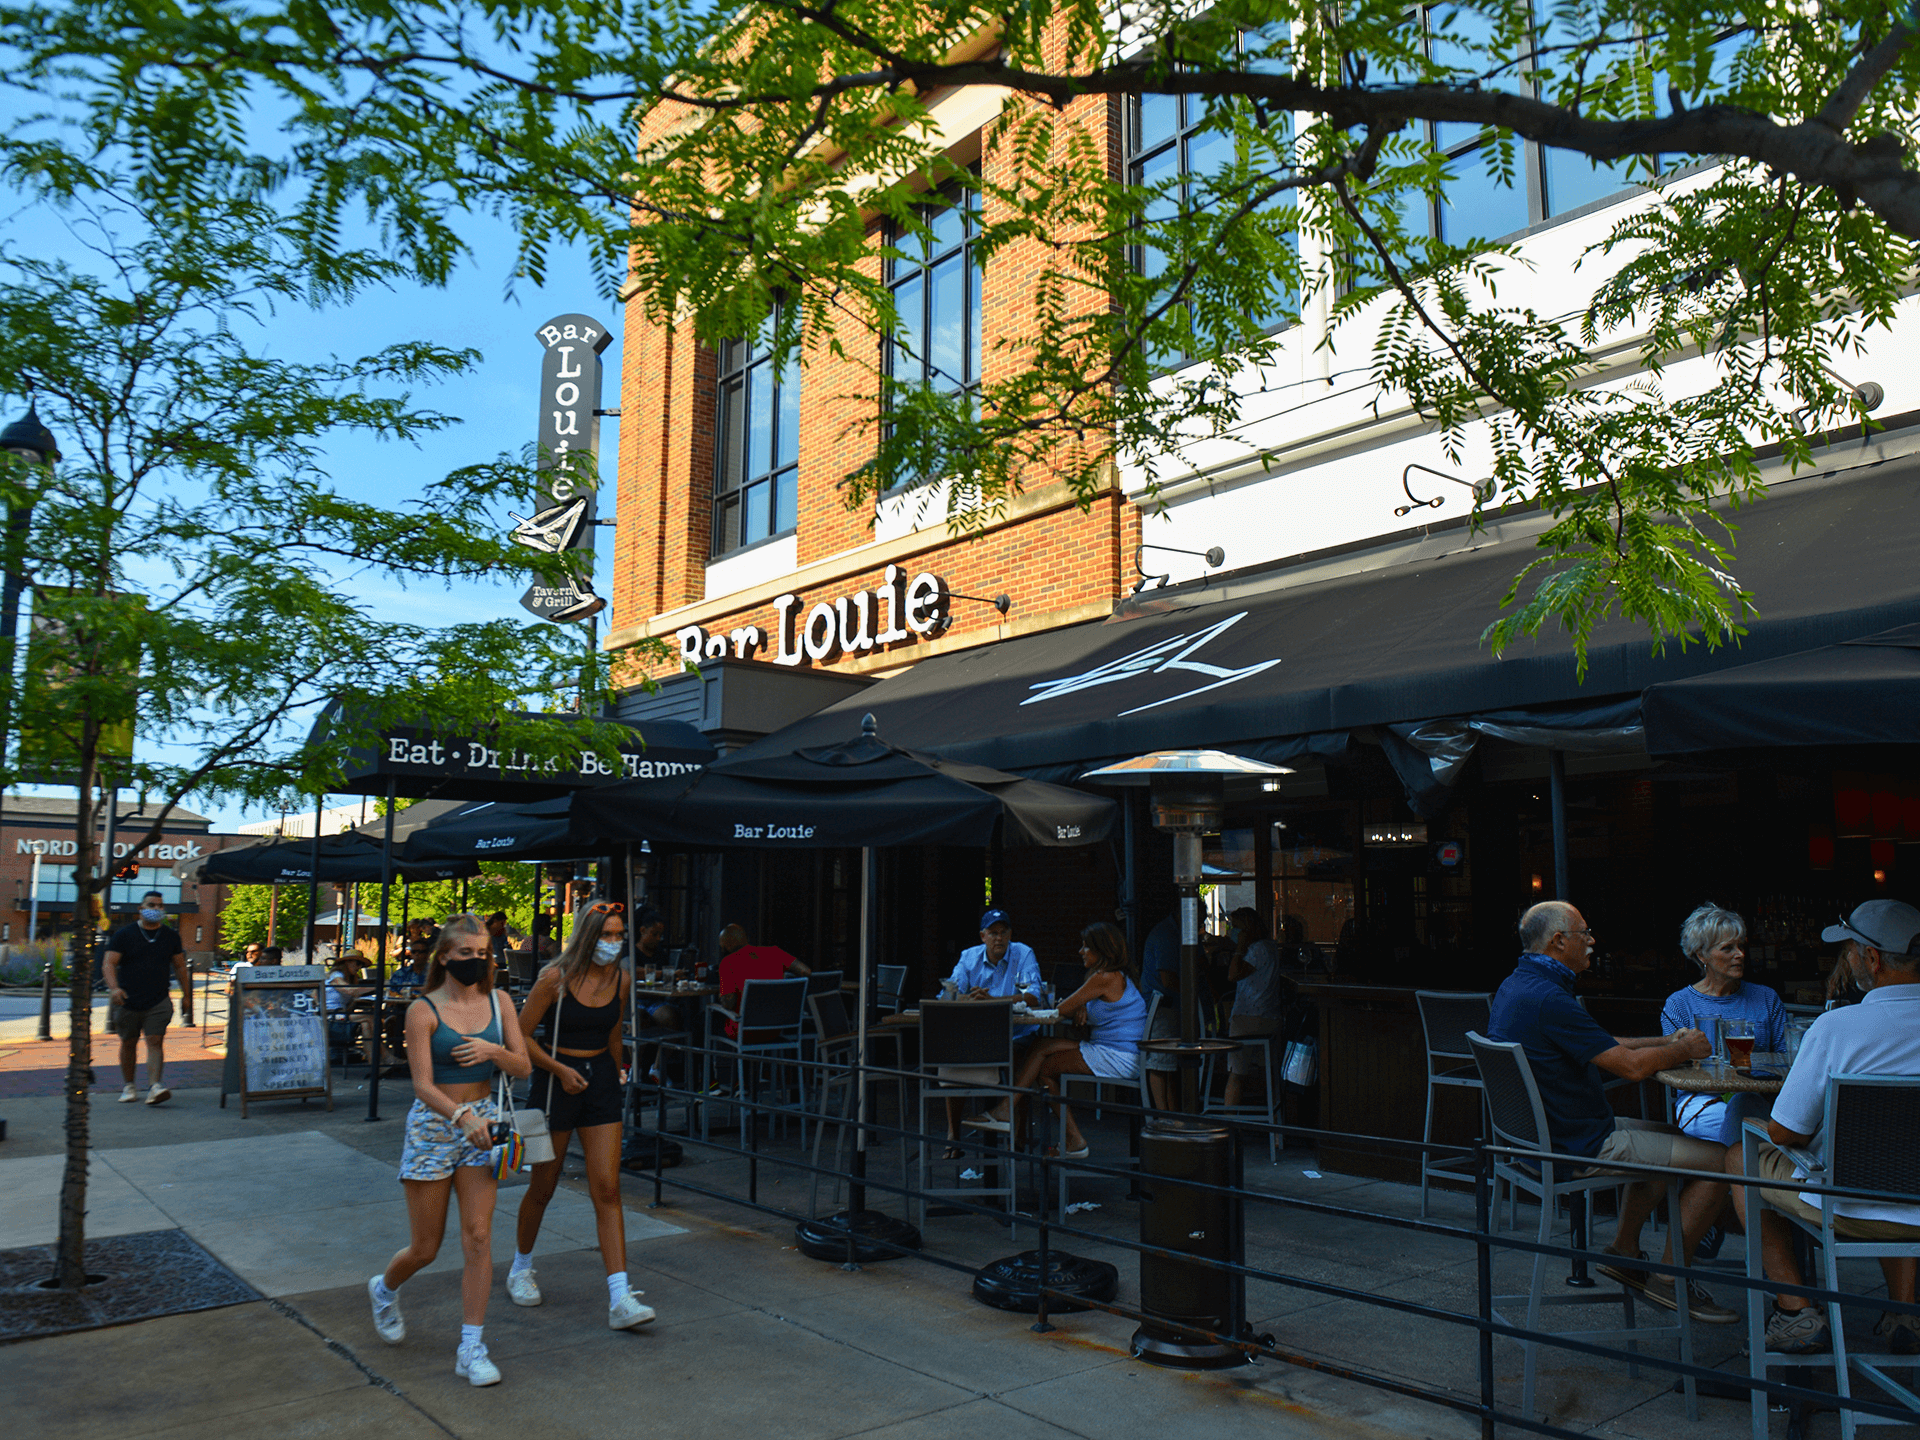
point(598, 1104)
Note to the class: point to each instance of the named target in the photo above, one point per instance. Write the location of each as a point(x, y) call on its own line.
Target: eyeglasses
point(606, 907)
point(1846, 924)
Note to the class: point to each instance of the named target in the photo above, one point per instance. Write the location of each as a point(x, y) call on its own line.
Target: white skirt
point(1110, 1062)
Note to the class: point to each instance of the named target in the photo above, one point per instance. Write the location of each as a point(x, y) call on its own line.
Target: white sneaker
point(472, 1365)
point(129, 1095)
point(522, 1290)
point(158, 1093)
point(386, 1318)
point(629, 1314)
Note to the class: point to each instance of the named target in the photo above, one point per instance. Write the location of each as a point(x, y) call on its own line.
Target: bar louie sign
point(901, 609)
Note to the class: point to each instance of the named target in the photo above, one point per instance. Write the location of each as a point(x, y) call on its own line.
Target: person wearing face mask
point(577, 1004)
point(136, 965)
point(459, 1033)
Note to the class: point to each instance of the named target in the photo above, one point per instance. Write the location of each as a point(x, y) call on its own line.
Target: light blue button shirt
point(1021, 966)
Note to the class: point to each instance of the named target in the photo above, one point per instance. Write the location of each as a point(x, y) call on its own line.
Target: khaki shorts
point(150, 1022)
point(1249, 1058)
point(1776, 1164)
point(1651, 1142)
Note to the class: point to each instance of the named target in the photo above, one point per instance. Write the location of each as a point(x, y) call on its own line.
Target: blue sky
point(496, 401)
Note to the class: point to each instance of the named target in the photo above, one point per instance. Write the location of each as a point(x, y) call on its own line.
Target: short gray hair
point(1540, 923)
point(1706, 928)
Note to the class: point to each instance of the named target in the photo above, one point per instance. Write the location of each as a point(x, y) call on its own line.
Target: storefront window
point(757, 451)
point(936, 294)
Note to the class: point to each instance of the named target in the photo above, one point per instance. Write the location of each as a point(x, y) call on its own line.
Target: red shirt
point(751, 962)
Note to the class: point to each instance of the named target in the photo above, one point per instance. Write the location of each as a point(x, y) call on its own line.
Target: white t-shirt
point(1879, 1036)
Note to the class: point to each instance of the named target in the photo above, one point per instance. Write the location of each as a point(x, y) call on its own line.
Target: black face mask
point(467, 971)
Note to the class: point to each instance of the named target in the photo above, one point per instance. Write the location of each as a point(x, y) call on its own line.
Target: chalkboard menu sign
point(277, 1035)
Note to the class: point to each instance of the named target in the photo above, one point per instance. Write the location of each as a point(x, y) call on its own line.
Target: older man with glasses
point(1571, 1055)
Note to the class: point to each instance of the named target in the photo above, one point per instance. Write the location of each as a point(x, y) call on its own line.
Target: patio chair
point(768, 1032)
point(1872, 1125)
point(889, 983)
point(966, 1053)
point(1519, 1119)
point(1446, 1016)
point(837, 1088)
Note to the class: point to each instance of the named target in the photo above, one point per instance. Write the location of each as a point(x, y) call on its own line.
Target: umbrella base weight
point(1014, 1283)
point(875, 1237)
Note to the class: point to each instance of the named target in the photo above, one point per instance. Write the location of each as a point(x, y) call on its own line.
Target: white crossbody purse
point(531, 1123)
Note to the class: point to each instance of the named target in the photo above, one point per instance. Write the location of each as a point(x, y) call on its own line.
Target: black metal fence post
point(1483, 1252)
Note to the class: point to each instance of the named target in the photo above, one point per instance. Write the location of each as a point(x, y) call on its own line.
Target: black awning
point(1864, 691)
point(487, 830)
point(420, 761)
point(1827, 559)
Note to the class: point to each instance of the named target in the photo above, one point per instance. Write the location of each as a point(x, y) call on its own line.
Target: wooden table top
point(1698, 1079)
point(677, 992)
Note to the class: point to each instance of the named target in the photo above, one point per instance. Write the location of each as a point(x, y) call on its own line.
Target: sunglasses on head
point(606, 907)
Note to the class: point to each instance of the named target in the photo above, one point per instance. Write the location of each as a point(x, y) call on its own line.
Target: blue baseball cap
point(995, 917)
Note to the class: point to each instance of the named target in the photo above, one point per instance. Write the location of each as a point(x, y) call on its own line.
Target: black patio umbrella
point(343, 859)
point(538, 831)
point(862, 792)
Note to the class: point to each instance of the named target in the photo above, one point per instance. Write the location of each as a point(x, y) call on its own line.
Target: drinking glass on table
point(1736, 1038)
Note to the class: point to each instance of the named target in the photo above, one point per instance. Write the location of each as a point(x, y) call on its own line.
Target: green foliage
point(1773, 262)
point(243, 919)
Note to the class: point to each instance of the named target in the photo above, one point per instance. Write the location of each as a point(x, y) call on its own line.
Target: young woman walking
point(459, 1032)
point(581, 997)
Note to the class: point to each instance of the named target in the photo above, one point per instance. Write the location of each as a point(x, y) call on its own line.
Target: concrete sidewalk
point(753, 1337)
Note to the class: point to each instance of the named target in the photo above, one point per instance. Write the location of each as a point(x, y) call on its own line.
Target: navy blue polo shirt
point(1535, 1006)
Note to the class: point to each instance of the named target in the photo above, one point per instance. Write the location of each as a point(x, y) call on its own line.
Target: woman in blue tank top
point(581, 998)
point(459, 1033)
point(1111, 1003)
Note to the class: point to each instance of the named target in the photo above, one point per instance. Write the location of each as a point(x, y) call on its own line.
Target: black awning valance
point(1827, 559)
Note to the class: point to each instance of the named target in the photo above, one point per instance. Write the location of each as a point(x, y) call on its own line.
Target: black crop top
point(582, 1027)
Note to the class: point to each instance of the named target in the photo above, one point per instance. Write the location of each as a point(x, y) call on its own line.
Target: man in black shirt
point(137, 961)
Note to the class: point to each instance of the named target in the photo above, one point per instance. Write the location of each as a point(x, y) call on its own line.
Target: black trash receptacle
point(1194, 1222)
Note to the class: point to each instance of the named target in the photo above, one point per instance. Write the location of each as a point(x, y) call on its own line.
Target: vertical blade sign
point(570, 375)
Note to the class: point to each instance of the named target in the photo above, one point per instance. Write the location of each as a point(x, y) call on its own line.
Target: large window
point(1168, 145)
point(1546, 182)
point(936, 294)
point(757, 458)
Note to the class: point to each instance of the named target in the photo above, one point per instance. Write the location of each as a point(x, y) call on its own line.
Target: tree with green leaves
point(1774, 141)
point(197, 580)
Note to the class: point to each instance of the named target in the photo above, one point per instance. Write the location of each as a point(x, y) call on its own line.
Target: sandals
point(953, 1152)
point(1054, 1152)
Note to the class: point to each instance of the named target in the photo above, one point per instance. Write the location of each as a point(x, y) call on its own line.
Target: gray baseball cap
point(1889, 926)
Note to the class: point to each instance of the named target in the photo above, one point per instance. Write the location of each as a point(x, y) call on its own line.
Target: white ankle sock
point(382, 1293)
point(618, 1288)
point(521, 1264)
point(470, 1335)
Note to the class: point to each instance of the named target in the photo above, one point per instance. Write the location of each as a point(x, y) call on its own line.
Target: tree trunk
point(70, 1270)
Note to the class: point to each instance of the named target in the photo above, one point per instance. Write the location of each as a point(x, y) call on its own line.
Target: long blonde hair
point(588, 921)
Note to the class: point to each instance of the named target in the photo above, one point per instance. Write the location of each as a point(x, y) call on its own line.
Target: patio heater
point(1188, 793)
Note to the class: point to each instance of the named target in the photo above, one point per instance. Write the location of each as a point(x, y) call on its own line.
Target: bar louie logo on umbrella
point(1176, 652)
point(772, 832)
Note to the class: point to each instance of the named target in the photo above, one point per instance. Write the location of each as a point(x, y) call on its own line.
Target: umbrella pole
point(856, 1187)
point(313, 879)
point(380, 959)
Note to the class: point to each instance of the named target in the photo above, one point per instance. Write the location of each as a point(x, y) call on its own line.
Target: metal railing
point(1481, 1324)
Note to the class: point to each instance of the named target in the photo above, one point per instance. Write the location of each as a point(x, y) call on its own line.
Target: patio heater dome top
point(1175, 765)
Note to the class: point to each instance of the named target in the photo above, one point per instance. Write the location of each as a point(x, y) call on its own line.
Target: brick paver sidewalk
point(39, 1067)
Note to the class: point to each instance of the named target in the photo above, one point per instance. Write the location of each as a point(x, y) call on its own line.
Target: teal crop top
point(447, 1070)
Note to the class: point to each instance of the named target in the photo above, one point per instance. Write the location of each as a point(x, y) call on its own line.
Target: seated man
point(1878, 1036)
point(997, 967)
point(741, 962)
point(1569, 1051)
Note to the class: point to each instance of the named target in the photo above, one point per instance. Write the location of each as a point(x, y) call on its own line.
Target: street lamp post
point(32, 442)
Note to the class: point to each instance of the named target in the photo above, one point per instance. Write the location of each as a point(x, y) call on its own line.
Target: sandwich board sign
point(277, 1035)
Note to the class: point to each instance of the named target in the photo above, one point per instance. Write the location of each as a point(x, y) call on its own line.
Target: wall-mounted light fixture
point(1215, 558)
point(1870, 393)
point(1482, 489)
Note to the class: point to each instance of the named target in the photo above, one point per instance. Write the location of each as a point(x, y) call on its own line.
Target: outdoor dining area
point(824, 1055)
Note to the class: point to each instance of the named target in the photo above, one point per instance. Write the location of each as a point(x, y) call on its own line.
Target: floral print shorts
point(433, 1148)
